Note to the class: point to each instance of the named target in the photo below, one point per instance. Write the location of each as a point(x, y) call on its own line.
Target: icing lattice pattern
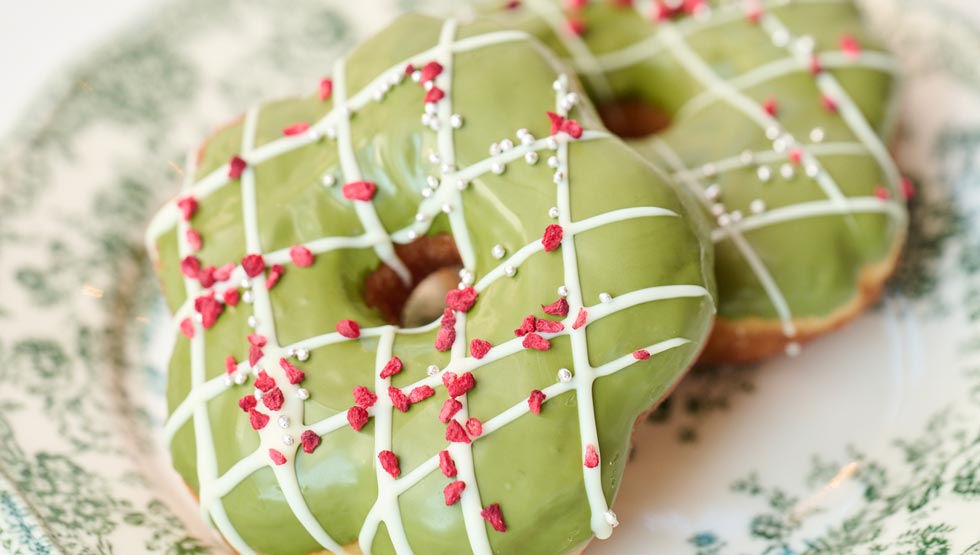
point(277, 444)
point(670, 39)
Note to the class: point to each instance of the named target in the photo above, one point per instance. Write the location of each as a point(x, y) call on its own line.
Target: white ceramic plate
point(867, 443)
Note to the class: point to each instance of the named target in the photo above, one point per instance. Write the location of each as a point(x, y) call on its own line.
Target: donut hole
point(434, 264)
point(632, 118)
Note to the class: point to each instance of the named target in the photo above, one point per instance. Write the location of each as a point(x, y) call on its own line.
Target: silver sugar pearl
point(812, 170)
point(552, 143)
point(521, 132)
point(426, 193)
point(558, 177)
point(562, 291)
point(817, 135)
point(556, 85)
point(246, 283)
point(793, 349)
point(552, 161)
point(447, 208)
point(553, 212)
point(611, 519)
point(419, 217)
point(287, 439)
point(434, 158)
point(787, 171)
point(426, 119)
point(605, 297)
point(461, 184)
point(757, 206)
point(772, 132)
point(564, 375)
point(302, 355)
point(446, 168)
point(240, 377)
point(498, 251)
point(416, 76)
point(432, 181)
point(779, 145)
point(428, 85)
point(258, 395)
point(712, 192)
point(527, 139)
point(724, 220)
point(506, 145)
point(717, 209)
point(746, 157)
point(571, 98)
point(283, 421)
point(494, 149)
point(302, 394)
point(456, 121)
point(498, 168)
point(252, 321)
point(247, 297)
point(736, 216)
point(228, 381)
point(328, 180)
point(510, 271)
point(709, 170)
point(764, 173)
point(531, 157)
point(432, 370)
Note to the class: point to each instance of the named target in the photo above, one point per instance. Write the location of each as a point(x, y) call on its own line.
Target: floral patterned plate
point(867, 443)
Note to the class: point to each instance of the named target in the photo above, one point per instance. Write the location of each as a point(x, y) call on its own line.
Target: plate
point(867, 443)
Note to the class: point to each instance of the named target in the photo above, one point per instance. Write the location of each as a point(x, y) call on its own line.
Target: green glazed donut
point(305, 418)
point(775, 115)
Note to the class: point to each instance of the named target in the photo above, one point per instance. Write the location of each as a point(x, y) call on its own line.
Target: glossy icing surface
point(800, 199)
point(632, 255)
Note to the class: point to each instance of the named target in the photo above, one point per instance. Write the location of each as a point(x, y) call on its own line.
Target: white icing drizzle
point(847, 109)
point(813, 209)
point(352, 172)
point(751, 257)
point(271, 436)
point(643, 50)
point(722, 89)
point(584, 60)
point(213, 488)
point(584, 372)
point(168, 216)
point(521, 408)
point(385, 508)
point(787, 66)
point(447, 186)
point(770, 156)
point(207, 459)
point(185, 410)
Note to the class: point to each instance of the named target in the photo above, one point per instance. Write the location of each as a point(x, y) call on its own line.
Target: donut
point(305, 416)
point(775, 115)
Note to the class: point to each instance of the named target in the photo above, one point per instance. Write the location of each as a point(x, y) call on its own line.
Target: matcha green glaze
point(532, 466)
point(814, 261)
